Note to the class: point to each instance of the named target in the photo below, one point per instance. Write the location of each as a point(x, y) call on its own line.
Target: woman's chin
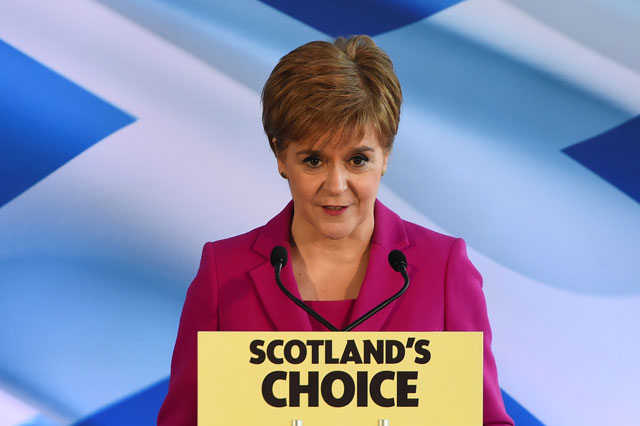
point(336, 231)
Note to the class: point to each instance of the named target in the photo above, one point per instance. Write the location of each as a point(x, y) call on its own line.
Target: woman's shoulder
point(401, 232)
point(439, 250)
point(419, 233)
point(233, 248)
point(427, 243)
point(236, 242)
point(253, 247)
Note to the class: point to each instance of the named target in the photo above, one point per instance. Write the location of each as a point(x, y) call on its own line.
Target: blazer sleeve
point(466, 310)
point(200, 312)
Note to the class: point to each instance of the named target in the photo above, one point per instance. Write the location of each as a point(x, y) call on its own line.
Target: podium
point(329, 378)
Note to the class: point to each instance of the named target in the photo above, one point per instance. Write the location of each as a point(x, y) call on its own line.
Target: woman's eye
point(312, 161)
point(359, 160)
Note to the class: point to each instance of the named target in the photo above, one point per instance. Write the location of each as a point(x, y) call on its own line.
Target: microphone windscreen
point(396, 259)
point(279, 255)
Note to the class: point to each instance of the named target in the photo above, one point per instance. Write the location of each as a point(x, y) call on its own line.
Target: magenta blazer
point(235, 290)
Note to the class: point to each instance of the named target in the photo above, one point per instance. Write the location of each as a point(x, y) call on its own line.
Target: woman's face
point(334, 187)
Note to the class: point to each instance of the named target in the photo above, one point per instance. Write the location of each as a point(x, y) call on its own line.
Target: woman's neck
point(328, 269)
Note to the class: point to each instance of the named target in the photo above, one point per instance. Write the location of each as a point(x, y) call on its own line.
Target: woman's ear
point(385, 161)
point(281, 168)
point(280, 159)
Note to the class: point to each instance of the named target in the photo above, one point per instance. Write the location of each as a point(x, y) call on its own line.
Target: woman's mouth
point(334, 210)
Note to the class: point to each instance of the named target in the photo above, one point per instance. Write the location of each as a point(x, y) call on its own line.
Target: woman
point(330, 112)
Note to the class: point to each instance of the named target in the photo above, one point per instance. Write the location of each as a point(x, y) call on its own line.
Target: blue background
point(130, 135)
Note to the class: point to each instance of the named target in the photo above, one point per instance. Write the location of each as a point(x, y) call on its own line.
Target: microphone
point(279, 255)
point(397, 260)
point(278, 260)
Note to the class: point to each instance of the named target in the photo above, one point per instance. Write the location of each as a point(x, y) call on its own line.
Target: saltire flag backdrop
point(130, 134)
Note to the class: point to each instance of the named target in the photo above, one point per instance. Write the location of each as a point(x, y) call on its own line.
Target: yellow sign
point(352, 378)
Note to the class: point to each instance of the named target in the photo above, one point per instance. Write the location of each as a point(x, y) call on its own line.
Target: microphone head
point(279, 255)
point(397, 259)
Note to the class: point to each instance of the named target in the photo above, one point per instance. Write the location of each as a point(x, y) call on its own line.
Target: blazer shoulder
point(425, 237)
point(234, 248)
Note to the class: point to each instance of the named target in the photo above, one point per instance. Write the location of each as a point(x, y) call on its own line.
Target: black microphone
point(397, 260)
point(278, 260)
point(279, 255)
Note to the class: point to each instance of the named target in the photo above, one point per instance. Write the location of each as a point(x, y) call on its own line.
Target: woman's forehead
point(363, 145)
point(339, 140)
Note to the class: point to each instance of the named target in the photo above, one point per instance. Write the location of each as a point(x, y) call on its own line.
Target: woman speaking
point(330, 112)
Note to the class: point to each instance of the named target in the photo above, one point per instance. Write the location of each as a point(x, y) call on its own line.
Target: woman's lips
point(334, 210)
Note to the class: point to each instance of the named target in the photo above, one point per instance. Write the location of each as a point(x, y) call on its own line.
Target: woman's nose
point(336, 182)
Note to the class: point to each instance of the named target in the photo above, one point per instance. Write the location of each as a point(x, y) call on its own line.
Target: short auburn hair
point(332, 92)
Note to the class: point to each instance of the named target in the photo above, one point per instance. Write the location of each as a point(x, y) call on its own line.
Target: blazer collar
point(284, 314)
point(380, 281)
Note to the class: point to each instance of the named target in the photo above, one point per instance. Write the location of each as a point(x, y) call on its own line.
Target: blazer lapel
point(380, 281)
point(283, 312)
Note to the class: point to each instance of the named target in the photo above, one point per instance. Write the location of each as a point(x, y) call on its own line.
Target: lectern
point(355, 379)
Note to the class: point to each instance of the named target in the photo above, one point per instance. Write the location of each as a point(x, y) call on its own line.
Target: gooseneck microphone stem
point(278, 267)
point(372, 312)
point(397, 260)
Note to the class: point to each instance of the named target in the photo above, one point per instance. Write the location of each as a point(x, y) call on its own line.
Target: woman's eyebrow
point(308, 151)
point(357, 149)
point(363, 148)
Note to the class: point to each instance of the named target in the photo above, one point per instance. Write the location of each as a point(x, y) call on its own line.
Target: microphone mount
point(397, 260)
